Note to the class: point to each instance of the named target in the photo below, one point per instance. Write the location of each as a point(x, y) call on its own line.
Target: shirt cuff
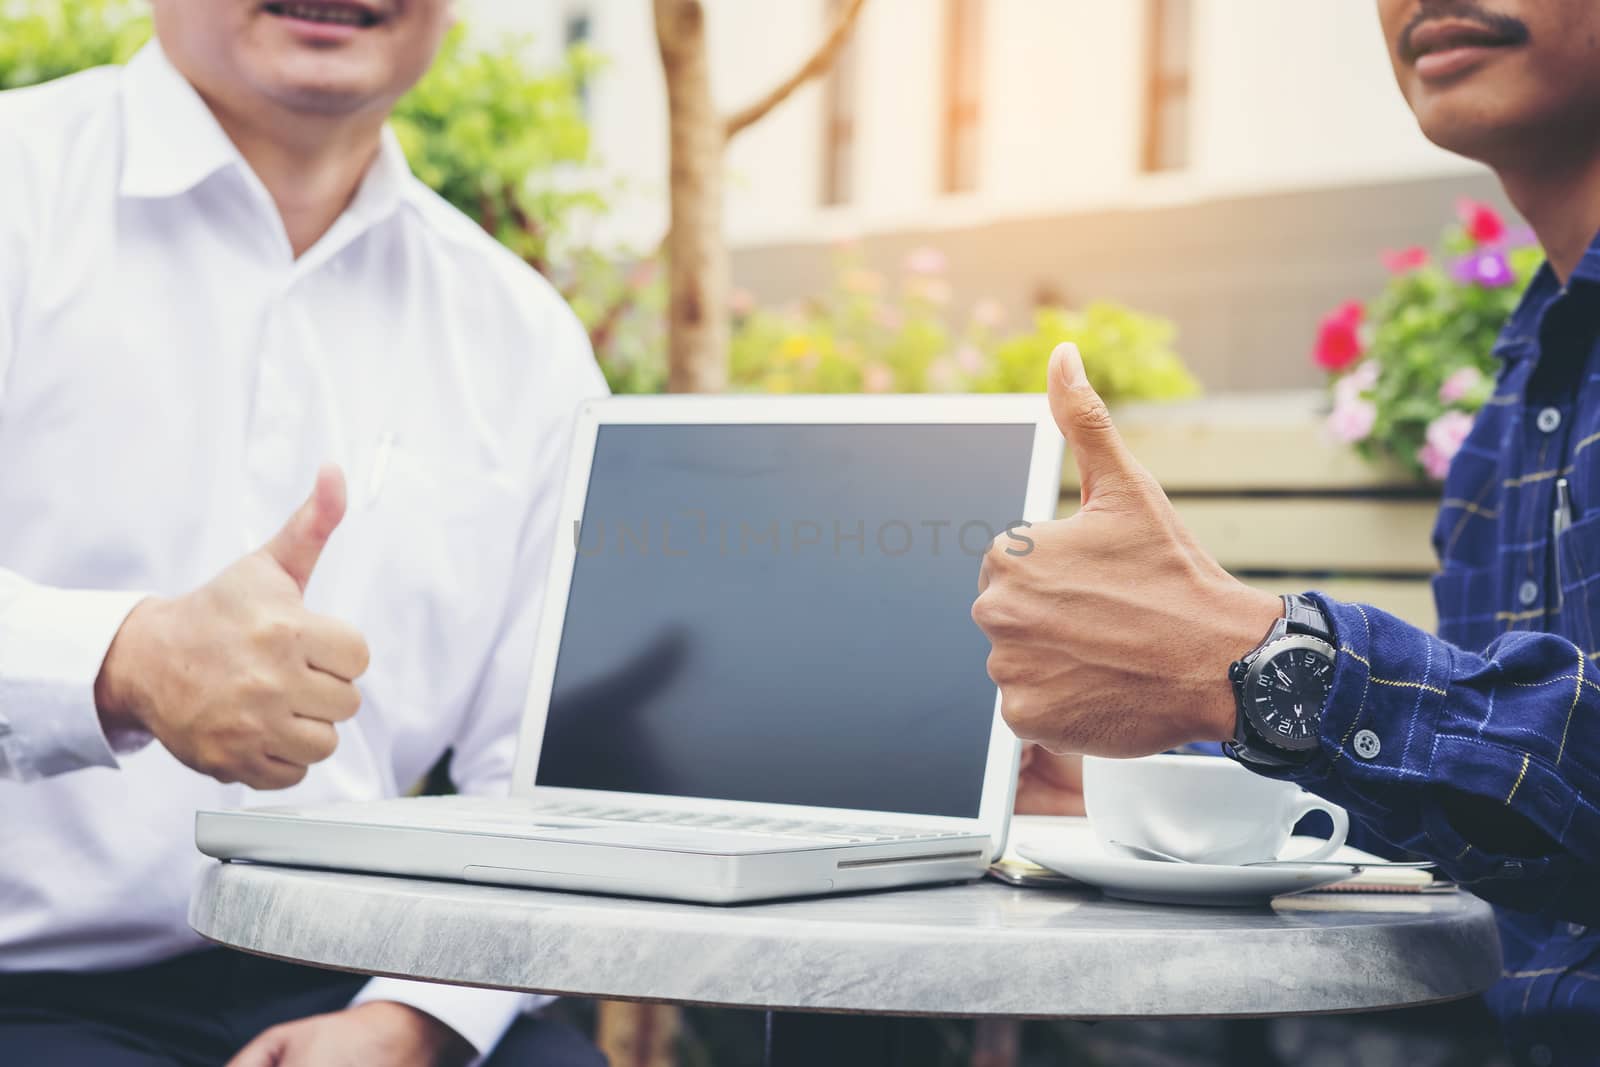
point(52, 645)
point(481, 1016)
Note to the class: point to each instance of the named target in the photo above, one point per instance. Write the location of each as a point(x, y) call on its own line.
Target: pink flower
point(1406, 260)
point(1352, 420)
point(1339, 338)
point(1360, 380)
point(1520, 237)
point(1460, 384)
point(989, 314)
point(1482, 222)
point(925, 260)
point(1443, 440)
point(877, 378)
point(970, 359)
point(741, 301)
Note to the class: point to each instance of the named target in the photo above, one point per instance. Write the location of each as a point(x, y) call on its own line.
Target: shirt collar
point(1520, 337)
point(172, 141)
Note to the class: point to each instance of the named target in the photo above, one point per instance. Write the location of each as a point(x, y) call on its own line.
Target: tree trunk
point(697, 255)
point(638, 1035)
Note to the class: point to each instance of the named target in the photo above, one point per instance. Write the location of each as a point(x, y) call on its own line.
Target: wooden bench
point(1281, 505)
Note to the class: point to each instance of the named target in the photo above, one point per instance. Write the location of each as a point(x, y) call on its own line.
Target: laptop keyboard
point(504, 814)
point(744, 824)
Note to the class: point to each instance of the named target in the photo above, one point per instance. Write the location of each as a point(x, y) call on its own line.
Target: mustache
point(1513, 31)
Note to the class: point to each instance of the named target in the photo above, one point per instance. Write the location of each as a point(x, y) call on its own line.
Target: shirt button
point(1541, 1056)
point(1548, 420)
point(1528, 592)
point(1367, 744)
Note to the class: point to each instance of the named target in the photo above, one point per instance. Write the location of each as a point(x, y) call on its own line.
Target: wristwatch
point(1281, 688)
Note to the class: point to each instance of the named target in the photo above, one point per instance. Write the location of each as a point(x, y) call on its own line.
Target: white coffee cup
point(1205, 809)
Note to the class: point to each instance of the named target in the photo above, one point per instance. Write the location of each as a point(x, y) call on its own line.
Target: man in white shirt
point(218, 278)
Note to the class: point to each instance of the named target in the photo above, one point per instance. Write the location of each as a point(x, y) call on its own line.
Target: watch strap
point(1302, 616)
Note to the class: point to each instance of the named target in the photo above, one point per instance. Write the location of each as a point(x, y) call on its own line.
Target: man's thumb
point(1085, 423)
point(298, 546)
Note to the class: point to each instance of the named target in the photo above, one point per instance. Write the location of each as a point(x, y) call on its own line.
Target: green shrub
point(1127, 355)
point(865, 335)
point(45, 39)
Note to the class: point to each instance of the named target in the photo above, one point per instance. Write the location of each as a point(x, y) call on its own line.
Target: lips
point(1446, 36)
point(327, 12)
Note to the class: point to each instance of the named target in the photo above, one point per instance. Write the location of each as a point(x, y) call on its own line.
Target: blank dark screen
point(781, 613)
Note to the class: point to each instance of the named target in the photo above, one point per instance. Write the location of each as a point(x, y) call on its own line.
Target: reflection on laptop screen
point(781, 613)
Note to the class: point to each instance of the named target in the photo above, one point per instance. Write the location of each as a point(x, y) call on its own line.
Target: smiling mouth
point(332, 13)
point(1436, 35)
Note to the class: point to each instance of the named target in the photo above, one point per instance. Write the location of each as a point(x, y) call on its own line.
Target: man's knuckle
point(1090, 411)
point(274, 634)
point(324, 746)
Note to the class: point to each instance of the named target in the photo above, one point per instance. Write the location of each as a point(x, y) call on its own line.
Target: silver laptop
point(756, 674)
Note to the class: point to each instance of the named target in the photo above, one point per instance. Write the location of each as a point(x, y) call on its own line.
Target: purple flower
point(1486, 267)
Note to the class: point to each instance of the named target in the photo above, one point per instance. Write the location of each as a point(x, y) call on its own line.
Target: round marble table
point(972, 950)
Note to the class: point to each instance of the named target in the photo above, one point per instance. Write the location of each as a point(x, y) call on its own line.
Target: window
point(839, 119)
point(963, 69)
point(578, 30)
point(1166, 116)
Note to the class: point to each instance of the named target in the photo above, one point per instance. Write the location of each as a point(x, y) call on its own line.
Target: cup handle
point(1309, 803)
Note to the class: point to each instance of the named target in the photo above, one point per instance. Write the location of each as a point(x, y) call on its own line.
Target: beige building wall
point(1303, 161)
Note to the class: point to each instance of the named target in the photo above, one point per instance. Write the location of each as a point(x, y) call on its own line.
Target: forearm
point(52, 644)
point(1482, 763)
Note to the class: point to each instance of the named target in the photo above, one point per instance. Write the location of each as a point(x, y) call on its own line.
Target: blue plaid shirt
point(1480, 748)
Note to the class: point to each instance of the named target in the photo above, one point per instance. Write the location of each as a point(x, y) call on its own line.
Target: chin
point(326, 88)
point(1476, 126)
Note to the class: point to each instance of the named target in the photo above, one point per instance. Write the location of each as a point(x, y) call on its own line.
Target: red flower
point(1406, 260)
point(1339, 337)
point(1483, 223)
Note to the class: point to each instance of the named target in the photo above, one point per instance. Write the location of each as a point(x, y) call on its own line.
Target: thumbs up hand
point(237, 679)
point(1112, 636)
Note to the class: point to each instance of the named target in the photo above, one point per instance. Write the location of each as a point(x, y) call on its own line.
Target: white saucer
point(1070, 848)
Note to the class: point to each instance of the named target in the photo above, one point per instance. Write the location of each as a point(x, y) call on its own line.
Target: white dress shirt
point(170, 379)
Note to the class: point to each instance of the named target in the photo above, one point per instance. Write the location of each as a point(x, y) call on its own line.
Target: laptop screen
point(781, 614)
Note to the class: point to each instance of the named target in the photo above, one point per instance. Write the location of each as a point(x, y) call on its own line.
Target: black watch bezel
point(1258, 665)
point(1305, 625)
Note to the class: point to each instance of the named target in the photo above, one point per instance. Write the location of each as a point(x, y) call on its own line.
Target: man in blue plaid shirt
point(1478, 748)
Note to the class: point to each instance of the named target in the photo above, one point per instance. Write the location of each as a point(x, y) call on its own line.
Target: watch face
point(1285, 694)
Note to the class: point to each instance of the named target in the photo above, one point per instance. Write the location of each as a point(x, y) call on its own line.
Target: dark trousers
point(198, 1010)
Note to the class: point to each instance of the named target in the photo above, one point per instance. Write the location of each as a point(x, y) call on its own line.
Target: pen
point(1560, 521)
